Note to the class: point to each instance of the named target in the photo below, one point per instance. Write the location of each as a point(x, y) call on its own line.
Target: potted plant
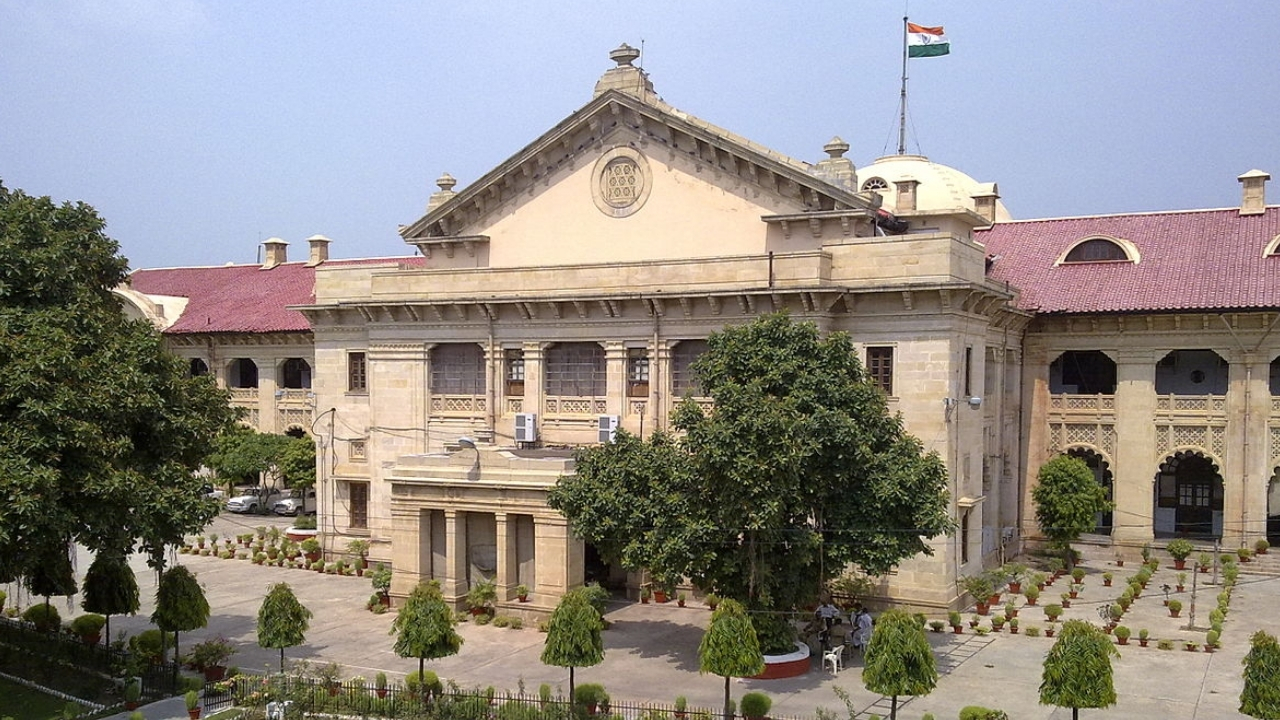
point(481, 597)
point(1211, 640)
point(1261, 546)
point(645, 594)
point(1031, 593)
point(755, 705)
point(1066, 599)
point(590, 696)
point(1182, 581)
point(1144, 636)
point(953, 618)
point(1122, 634)
point(1010, 610)
point(1013, 626)
point(1179, 549)
point(1175, 607)
point(680, 598)
point(1048, 631)
point(1032, 631)
point(1244, 554)
point(1205, 560)
point(360, 549)
point(1016, 573)
point(936, 625)
point(1191, 646)
point(1053, 611)
point(1106, 579)
point(522, 592)
point(981, 588)
point(210, 657)
point(88, 627)
point(997, 622)
point(973, 621)
point(1077, 575)
point(682, 705)
point(712, 600)
point(192, 699)
point(311, 549)
point(132, 693)
point(661, 593)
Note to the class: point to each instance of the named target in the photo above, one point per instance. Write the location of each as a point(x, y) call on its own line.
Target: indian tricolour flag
point(926, 41)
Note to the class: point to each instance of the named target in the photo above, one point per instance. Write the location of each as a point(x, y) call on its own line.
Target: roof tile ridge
point(1145, 213)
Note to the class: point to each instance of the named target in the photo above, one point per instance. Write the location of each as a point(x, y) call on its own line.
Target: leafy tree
point(799, 471)
point(424, 626)
point(242, 454)
point(729, 647)
point(103, 428)
point(282, 620)
point(1067, 498)
point(899, 660)
point(180, 604)
point(110, 587)
point(1260, 697)
point(1077, 671)
point(574, 634)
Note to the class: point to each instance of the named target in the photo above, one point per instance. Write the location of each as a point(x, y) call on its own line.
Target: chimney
point(906, 200)
point(984, 201)
point(626, 77)
point(319, 245)
point(836, 168)
point(445, 182)
point(1253, 200)
point(277, 252)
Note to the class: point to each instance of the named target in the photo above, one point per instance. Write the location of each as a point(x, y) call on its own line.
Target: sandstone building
point(566, 292)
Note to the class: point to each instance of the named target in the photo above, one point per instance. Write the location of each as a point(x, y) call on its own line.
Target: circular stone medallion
point(621, 182)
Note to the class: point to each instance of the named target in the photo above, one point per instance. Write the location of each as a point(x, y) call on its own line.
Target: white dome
point(940, 187)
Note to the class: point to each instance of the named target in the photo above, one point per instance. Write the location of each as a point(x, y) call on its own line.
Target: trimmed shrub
point(755, 705)
point(44, 616)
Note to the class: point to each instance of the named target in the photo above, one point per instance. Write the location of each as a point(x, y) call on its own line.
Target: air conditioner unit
point(606, 426)
point(526, 427)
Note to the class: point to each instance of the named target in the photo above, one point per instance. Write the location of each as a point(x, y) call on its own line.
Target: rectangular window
point(684, 381)
point(880, 368)
point(964, 536)
point(638, 372)
point(968, 372)
point(514, 360)
point(575, 370)
point(357, 373)
point(457, 369)
point(358, 505)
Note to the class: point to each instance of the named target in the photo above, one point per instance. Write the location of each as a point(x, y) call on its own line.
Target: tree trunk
point(281, 659)
point(893, 708)
point(572, 699)
point(727, 714)
point(1075, 713)
point(176, 655)
point(107, 642)
point(420, 663)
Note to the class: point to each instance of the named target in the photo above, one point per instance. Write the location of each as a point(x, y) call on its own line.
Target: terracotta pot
point(1013, 630)
point(381, 692)
point(1106, 583)
point(1015, 588)
point(1180, 564)
point(522, 598)
point(1049, 632)
point(680, 603)
point(1208, 648)
point(1119, 563)
point(957, 629)
point(1142, 643)
point(1073, 594)
point(1174, 613)
point(214, 673)
point(194, 713)
point(644, 600)
point(659, 596)
point(93, 639)
point(1181, 588)
point(994, 599)
point(1122, 641)
point(983, 608)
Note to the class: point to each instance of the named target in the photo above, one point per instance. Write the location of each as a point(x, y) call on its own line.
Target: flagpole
point(902, 98)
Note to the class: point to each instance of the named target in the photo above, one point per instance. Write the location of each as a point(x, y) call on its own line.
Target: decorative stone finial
point(836, 148)
point(446, 182)
point(624, 55)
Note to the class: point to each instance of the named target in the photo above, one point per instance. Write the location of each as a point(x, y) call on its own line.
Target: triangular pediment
point(615, 119)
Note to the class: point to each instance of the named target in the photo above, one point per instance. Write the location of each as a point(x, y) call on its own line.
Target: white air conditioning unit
point(526, 427)
point(606, 426)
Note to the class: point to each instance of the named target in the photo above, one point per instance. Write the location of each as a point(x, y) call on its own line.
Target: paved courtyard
point(651, 650)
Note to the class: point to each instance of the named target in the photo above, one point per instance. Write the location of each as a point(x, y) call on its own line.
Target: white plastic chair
point(834, 658)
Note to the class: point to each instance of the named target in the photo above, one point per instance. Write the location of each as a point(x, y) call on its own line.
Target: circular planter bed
point(298, 534)
point(785, 666)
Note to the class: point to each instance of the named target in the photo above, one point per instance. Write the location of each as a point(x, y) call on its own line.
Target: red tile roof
point(1190, 260)
point(241, 298)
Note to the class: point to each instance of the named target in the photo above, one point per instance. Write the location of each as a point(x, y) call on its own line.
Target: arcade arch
point(1102, 473)
point(1188, 496)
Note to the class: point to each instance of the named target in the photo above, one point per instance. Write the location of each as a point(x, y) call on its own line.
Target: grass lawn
point(23, 703)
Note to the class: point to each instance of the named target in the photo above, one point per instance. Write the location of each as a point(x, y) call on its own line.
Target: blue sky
point(200, 128)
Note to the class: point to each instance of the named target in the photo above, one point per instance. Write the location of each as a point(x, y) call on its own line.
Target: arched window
point(875, 183)
point(198, 368)
point(296, 374)
point(243, 373)
point(1098, 249)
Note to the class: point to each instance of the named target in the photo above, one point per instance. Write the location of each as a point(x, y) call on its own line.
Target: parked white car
point(298, 503)
point(253, 498)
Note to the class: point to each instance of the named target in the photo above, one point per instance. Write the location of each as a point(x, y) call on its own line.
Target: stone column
point(493, 380)
point(408, 528)
point(508, 562)
point(267, 384)
point(1135, 463)
point(1035, 380)
point(559, 556)
point(1246, 468)
point(534, 380)
point(615, 361)
point(454, 585)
